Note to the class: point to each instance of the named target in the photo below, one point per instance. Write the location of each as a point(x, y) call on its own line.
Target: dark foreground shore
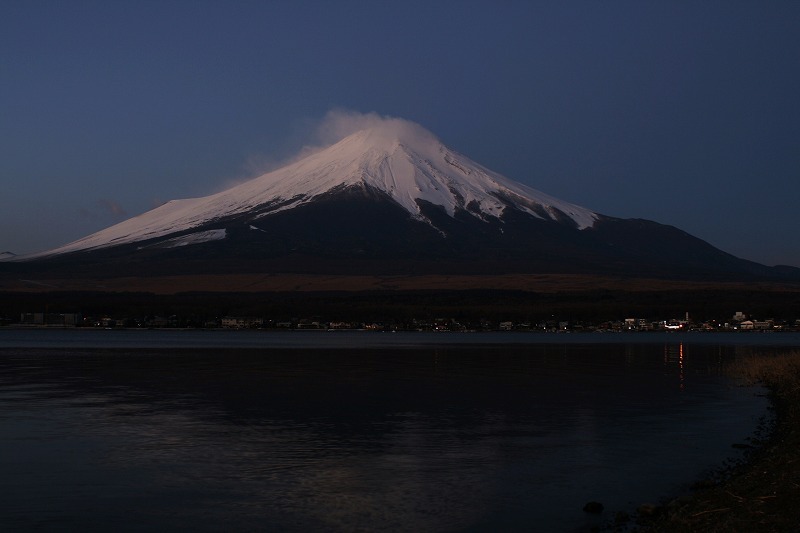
point(764, 493)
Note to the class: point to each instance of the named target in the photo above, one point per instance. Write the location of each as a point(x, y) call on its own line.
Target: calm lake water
point(211, 431)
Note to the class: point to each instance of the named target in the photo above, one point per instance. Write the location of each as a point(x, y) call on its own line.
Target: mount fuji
point(393, 199)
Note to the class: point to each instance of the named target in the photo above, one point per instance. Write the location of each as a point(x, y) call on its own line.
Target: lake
point(343, 431)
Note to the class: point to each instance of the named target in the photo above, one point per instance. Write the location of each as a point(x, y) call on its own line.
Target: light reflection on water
point(435, 438)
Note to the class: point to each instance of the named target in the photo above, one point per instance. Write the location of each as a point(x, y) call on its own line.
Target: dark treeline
point(364, 306)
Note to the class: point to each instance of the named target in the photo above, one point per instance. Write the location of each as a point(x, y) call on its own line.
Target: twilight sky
point(686, 113)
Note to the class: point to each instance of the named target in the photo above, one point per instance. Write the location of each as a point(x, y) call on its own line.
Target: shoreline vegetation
point(762, 494)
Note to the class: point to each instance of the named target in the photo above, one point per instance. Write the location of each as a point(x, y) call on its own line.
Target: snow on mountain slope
point(192, 238)
point(397, 157)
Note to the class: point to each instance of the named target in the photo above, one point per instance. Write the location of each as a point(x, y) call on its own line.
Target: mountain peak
point(391, 132)
point(393, 156)
point(390, 197)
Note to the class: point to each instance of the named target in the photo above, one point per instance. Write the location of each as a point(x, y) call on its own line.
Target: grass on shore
point(763, 494)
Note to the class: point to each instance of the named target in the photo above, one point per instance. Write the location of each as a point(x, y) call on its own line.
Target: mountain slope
point(390, 199)
point(400, 159)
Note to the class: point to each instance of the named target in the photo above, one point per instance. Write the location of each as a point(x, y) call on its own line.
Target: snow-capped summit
point(388, 197)
point(392, 156)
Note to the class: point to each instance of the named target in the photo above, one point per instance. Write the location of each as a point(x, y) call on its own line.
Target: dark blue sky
point(687, 113)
